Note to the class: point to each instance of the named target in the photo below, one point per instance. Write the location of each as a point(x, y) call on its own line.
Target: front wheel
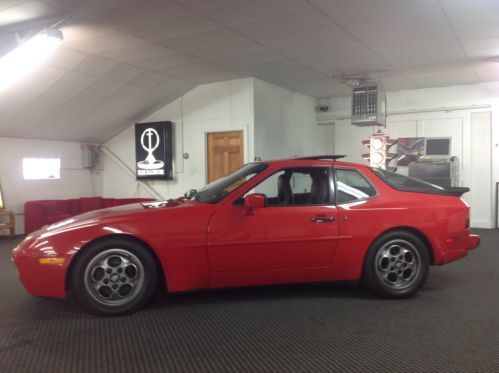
point(396, 265)
point(114, 277)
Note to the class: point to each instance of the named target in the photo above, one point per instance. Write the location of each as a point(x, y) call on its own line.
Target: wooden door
point(225, 153)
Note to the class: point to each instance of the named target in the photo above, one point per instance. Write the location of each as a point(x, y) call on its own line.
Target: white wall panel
point(276, 123)
point(348, 140)
point(285, 124)
point(402, 128)
point(75, 181)
point(429, 113)
point(208, 101)
point(481, 169)
point(225, 106)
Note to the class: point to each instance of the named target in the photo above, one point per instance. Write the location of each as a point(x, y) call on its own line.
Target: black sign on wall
point(153, 150)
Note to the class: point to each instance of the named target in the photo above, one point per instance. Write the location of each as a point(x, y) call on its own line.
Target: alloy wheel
point(114, 277)
point(398, 263)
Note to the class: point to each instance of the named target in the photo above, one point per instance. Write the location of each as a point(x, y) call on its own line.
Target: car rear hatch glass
point(410, 184)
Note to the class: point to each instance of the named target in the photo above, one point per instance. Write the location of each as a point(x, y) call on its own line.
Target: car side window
point(296, 187)
point(352, 186)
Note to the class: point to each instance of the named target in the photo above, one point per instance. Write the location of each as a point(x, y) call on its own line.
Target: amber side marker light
point(51, 260)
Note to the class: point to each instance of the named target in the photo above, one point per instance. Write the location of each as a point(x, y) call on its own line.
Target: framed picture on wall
point(154, 150)
point(410, 149)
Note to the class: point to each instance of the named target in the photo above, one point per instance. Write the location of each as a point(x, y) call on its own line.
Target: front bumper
point(44, 280)
point(465, 244)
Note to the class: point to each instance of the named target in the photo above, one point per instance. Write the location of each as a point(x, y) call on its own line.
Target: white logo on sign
point(150, 142)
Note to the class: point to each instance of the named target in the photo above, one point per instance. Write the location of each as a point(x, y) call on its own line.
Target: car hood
point(118, 213)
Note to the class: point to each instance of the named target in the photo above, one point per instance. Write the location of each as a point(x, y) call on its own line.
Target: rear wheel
point(114, 277)
point(396, 265)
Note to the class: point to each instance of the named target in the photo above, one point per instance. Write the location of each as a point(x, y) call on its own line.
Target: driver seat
point(319, 191)
point(284, 191)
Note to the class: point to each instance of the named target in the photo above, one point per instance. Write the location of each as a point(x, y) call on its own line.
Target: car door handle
point(323, 219)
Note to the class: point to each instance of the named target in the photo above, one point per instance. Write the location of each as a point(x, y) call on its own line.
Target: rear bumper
point(473, 241)
point(470, 242)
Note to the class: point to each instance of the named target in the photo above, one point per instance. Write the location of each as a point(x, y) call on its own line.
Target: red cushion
point(126, 201)
point(108, 202)
point(90, 203)
point(40, 213)
point(54, 207)
point(74, 206)
point(49, 219)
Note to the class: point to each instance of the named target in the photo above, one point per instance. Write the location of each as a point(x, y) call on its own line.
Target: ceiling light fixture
point(30, 53)
point(350, 80)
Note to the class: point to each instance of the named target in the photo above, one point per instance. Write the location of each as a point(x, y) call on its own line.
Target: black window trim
point(331, 201)
point(362, 175)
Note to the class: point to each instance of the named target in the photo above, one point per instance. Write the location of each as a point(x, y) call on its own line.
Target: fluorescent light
point(27, 56)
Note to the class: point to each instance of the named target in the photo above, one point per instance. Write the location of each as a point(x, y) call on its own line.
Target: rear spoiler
point(456, 191)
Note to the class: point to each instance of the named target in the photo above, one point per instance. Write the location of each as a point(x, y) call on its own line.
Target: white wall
point(223, 106)
point(280, 123)
point(474, 133)
point(285, 124)
point(276, 122)
point(75, 181)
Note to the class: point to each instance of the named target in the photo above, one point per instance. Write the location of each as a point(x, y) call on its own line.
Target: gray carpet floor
point(451, 325)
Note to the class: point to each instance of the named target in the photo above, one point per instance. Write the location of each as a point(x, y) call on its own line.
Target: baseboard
point(481, 224)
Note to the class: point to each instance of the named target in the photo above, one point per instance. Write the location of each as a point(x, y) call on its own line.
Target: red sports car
point(288, 221)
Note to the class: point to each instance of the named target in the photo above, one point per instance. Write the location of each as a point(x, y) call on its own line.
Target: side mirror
point(254, 201)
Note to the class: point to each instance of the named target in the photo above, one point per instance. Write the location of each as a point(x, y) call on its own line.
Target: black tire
point(114, 277)
point(396, 265)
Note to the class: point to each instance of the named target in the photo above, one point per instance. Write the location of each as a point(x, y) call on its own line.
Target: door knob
point(323, 219)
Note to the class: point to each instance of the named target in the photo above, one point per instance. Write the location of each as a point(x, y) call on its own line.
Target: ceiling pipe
point(331, 119)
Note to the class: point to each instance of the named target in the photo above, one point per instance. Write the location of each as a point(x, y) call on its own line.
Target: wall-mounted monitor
point(410, 149)
point(437, 147)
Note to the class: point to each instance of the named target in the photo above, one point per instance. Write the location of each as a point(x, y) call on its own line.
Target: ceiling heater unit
point(369, 105)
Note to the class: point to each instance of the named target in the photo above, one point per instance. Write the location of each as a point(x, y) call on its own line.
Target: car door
point(293, 238)
point(359, 211)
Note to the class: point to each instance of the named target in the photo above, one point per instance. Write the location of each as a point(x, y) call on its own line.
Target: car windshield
point(218, 189)
point(407, 184)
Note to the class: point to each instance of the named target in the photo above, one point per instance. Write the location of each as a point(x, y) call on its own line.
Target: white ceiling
point(122, 59)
